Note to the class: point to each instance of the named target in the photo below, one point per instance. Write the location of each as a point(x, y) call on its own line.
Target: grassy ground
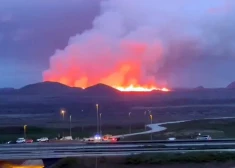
point(12, 133)
point(153, 160)
point(221, 128)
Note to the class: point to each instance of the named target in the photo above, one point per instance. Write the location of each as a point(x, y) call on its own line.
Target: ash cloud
point(174, 43)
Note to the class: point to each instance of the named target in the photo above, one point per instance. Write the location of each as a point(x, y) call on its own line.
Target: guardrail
point(117, 146)
point(60, 152)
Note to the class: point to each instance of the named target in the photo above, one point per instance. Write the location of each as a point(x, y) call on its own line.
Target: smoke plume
point(149, 43)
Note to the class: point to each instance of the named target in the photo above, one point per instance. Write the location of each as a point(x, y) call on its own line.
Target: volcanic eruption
point(123, 65)
point(134, 46)
point(109, 53)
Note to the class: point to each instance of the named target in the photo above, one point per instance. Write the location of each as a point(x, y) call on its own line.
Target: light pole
point(145, 112)
point(82, 123)
point(151, 122)
point(97, 111)
point(25, 131)
point(130, 122)
point(63, 113)
point(70, 129)
point(100, 124)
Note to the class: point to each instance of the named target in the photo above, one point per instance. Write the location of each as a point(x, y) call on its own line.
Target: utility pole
point(129, 122)
point(100, 124)
point(63, 113)
point(145, 112)
point(151, 122)
point(97, 113)
point(82, 123)
point(70, 128)
point(25, 126)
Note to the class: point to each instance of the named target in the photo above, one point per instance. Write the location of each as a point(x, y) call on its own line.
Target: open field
point(115, 113)
point(40, 105)
point(219, 128)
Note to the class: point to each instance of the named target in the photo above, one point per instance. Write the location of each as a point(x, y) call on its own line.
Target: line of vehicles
point(105, 138)
point(96, 138)
point(199, 137)
point(23, 140)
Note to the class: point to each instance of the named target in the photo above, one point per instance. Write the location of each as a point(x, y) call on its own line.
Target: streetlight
point(97, 117)
point(25, 131)
point(70, 119)
point(63, 113)
point(130, 122)
point(151, 122)
point(100, 124)
point(145, 112)
point(82, 123)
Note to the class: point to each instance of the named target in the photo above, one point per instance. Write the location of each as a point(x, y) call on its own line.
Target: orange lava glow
point(130, 68)
point(140, 89)
point(8, 165)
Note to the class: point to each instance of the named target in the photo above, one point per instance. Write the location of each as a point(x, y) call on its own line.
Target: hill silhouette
point(100, 90)
point(6, 90)
point(199, 88)
point(48, 88)
point(43, 88)
point(231, 85)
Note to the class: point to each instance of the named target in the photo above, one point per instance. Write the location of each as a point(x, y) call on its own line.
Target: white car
point(20, 140)
point(43, 139)
point(171, 139)
point(66, 138)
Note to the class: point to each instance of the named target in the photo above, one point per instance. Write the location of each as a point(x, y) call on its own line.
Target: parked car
point(43, 139)
point(20, 140)
point(204, 137)
point(109, 138)
point(171, 139)
point(28, 141)
point(11, 142)
point(66, 138)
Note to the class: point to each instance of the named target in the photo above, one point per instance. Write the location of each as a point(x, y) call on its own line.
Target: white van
point(66, 138)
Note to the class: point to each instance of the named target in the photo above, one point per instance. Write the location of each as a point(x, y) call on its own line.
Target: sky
point(197, 37)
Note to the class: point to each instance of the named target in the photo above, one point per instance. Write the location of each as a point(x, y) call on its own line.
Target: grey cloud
point(36, 29)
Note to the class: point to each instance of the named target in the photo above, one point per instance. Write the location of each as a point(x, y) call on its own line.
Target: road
point(124, 143)
point(41, 155)
point(40, 151)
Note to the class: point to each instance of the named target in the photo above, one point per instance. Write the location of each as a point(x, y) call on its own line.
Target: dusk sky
point(195, 39)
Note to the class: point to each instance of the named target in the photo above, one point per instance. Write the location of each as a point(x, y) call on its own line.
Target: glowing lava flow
point(133, 88)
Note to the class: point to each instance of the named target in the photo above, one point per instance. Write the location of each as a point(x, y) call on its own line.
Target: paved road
point(79, 143)
point(41, 146)
point(35, 155)
point(64, 147)
point(25, 151)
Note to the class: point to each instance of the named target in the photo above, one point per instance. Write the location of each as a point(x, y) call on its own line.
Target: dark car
point(11, 142)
